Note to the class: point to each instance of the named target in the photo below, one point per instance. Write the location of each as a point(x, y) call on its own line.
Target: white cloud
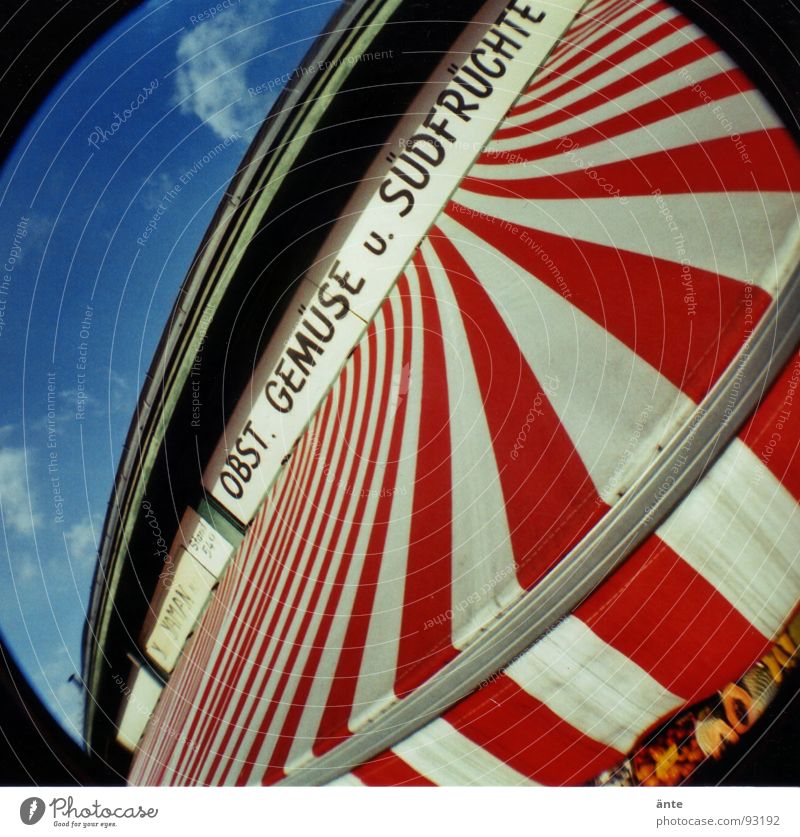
point(155, 188)
point(68, 408)
point(27, 571)
point(15, 503)
point(35, 234)
point(81, 543)
point(211, 81)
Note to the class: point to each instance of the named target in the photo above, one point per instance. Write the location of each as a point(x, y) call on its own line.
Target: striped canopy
point(608, 259)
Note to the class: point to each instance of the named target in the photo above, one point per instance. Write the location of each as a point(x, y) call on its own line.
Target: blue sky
point(95, 240)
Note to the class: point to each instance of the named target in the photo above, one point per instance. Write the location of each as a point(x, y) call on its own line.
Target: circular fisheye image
point(399, 393)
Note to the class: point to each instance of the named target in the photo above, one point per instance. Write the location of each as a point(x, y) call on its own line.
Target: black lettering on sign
point(390, 195)
point(343, 279)
point(240, 464)
point(302, 357)
point(307, 343)
point(461, 99)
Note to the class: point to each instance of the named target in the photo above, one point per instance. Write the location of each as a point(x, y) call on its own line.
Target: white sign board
point(177, 604)
point(401, 196)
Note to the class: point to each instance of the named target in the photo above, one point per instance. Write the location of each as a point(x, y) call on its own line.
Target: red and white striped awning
point(610, 254)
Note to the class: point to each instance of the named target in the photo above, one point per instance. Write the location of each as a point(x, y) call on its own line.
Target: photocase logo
point(31, 810)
